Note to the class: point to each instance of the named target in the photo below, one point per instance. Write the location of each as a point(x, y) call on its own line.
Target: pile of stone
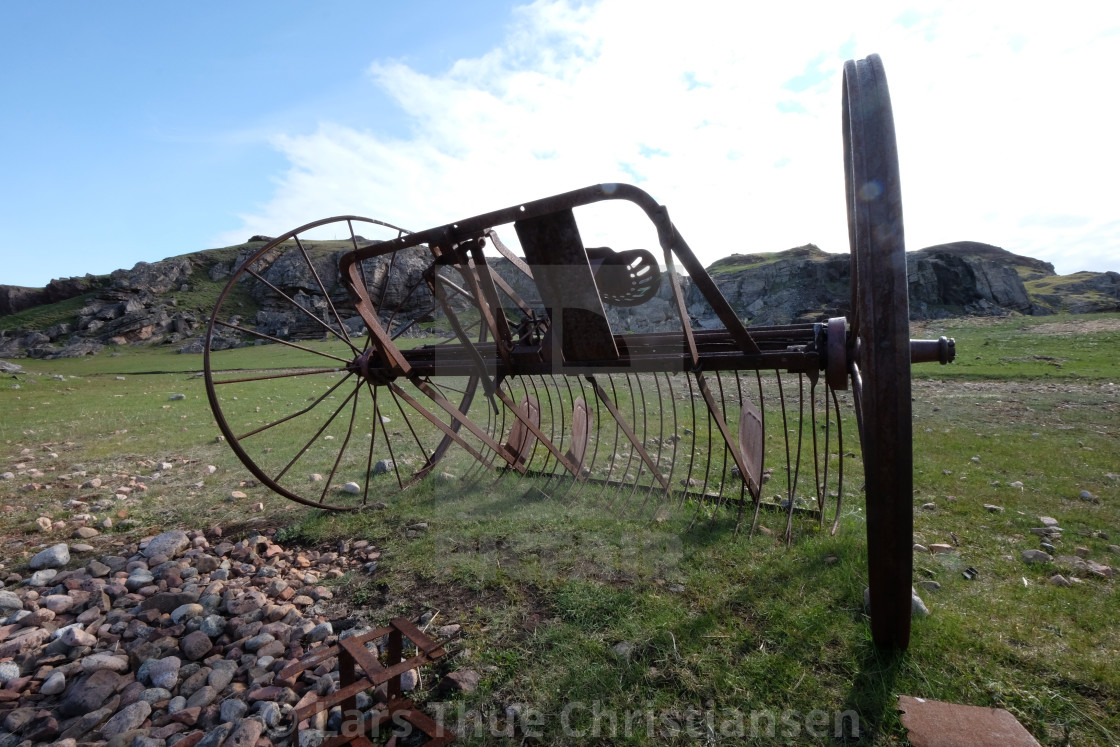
point(175, 643)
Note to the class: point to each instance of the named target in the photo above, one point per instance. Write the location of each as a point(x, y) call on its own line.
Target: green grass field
point(590, 624)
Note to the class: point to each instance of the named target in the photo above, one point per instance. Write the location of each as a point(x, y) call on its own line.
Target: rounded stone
point(56, 556)
point(164, 672)
point(195, 645)
point(185, 612)
point(169, 544)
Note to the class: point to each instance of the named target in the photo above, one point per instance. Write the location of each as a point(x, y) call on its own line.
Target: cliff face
point(169, 302)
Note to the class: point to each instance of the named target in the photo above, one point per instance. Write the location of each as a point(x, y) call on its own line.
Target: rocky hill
point(169, 302)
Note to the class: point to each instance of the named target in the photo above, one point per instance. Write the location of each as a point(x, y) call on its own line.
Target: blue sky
point(136, 131)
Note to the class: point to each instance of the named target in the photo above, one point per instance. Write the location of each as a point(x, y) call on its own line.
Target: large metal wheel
point(300, 408)
point(879, 345)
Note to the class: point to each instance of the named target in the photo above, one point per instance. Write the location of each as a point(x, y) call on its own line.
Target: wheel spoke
point(293, 302)
point(270, 338)
point(294, 415)
point(314, 438)
point(267, 377)
point(326, 296)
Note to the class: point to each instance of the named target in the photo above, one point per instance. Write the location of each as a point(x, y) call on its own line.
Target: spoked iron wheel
point(298, 408)
point(879, 344)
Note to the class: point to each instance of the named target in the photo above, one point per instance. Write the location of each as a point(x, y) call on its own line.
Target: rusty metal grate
point(361, 669)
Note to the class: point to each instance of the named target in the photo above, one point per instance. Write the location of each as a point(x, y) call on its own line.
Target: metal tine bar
point(511, 394)
point(297, 372)
point(626, 432)
point(345, 443)
point(451, 410)
point(660, 446)
point(797, 468)
point(646, 432)
point(292, 301)
point(640, 439)
point(678, 438)
point(827, 451)
point(556, 423)
point(305, 410)
point(528, 383)
point(762, 464)
point(326, 296)
point(724, 477)
point(660, 442)
point(840, 461)
point(375, 418)
point(614, 449)
point(708, 461)
point(593, 435)
point(270, 338)
point(816, 455)
point(493, 426)
point(396, 391)
point(568, 432)
point(743, 481)
point(315, 437)
point(692, 450)
point(534, 430)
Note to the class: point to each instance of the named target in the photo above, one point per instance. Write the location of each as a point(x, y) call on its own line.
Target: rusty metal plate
point(751, 439)
point(521, 439)
point(932, 723)
point(581, 432)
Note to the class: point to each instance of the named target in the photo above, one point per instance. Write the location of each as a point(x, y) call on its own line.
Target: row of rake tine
point(548, 391)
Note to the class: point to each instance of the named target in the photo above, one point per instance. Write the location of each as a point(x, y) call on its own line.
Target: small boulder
point(55, 556)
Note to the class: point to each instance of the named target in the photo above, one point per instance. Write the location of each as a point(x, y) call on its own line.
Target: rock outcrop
point(160, 302)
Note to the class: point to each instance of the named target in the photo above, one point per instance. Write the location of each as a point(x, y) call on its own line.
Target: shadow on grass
point(873, 694)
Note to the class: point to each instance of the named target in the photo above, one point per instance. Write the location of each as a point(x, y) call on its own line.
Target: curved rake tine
point(660, 447)
point(821, 489)
point(559, 431)
point(564, 431)
point(761, 468)
point(552, 461)
point(720, 494)
point(593, 435)
point(707, 461)
point(326, 296)
point(692, 451)
point(634, 409)
point(797, 468)
point(840, 462)
point(743, 485)
point(614, 459)
point(677, 438)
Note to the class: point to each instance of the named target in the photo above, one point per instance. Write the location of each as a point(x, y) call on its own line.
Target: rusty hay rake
point(424, 355)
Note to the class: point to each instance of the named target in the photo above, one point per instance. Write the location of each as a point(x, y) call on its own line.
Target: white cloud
point(729, 113)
